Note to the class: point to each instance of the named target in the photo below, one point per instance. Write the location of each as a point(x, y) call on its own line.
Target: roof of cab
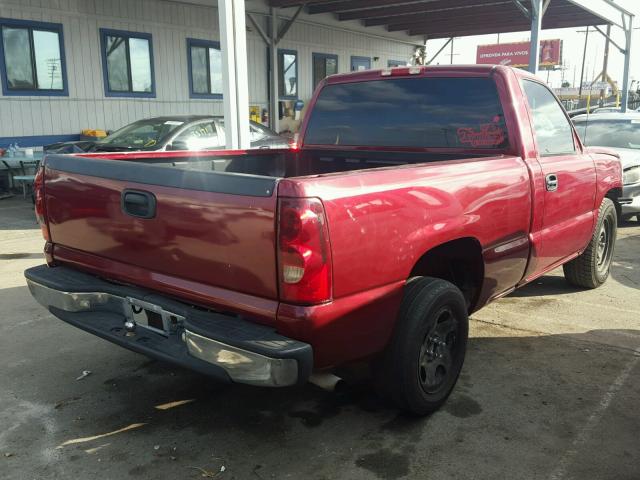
point(456, 70)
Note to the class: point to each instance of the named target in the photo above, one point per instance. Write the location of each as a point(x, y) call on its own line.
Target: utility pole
point(451, 50)
point(605, 63)
point(584, 54)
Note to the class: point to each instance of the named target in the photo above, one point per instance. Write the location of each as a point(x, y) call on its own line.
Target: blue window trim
point(53, 27)
point(194, 42)
point(282, 51)
point(104, 32)
point(324, 56)
point(396, 63)
point(356, 57)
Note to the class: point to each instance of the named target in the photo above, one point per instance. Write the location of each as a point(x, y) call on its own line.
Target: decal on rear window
point(489, 135)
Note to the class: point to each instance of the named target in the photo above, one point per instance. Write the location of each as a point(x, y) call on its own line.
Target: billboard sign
point(517, 54)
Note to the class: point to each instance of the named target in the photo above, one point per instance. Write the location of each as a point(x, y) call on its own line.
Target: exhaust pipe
point(327, 381)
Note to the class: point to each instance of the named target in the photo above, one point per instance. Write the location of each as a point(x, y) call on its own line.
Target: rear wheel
point(591, 268)
point(423, 360)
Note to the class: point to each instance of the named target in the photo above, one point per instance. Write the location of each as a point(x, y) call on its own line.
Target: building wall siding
point(170, 24)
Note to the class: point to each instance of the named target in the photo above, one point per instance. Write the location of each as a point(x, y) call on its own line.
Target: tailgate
point(210, 233)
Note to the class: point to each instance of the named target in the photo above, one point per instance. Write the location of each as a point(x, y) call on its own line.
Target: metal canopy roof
point(457, 18)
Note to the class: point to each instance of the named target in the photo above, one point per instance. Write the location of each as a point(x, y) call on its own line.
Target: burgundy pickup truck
point(415, 196)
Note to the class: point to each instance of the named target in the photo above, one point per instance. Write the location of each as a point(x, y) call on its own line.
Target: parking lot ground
point(549, 390)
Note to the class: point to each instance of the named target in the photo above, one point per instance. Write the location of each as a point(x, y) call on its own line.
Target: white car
point(619, 132)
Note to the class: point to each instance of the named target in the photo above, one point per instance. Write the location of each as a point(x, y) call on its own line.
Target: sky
point(464, 50)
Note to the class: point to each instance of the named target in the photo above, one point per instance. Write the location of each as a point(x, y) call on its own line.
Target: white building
point(69, 65)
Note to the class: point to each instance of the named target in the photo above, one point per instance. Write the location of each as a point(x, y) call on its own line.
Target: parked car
point(621, 133)
point(417, 196)
point(605, 110)
point(192, 132)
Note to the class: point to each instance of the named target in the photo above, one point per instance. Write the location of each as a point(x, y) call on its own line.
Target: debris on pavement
point(209, 473)
point(8, 454)
point(85, 373)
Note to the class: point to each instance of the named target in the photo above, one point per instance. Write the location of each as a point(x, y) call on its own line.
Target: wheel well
point(459, 262)
point(614, 194)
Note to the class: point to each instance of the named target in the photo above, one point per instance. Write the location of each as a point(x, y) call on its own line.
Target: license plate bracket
point(152, 317)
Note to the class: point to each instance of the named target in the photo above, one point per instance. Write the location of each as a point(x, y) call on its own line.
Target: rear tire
point(421, 364)
point(591, 268)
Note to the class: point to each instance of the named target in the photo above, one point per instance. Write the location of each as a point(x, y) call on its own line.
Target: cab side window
point(553, 132)
point(198, 137)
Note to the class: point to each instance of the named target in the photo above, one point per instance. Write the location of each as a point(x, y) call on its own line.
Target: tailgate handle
point(138, 203)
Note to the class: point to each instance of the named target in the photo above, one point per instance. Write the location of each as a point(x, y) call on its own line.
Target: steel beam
point(274, 96)
point(628, 34)
point(259, 29)
point(346, 5)
point(605, 9)
point(472, 20)
point(285, 28)
point(534, 41)
point(608, 37)
point(439, 51)
point(444, 32)
point(233, 45)
point(425, 6)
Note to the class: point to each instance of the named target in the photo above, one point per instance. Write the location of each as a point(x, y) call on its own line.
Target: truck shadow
point(542, 387)
point(624, 270)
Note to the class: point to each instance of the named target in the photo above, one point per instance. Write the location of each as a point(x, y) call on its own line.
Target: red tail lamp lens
point(304, 252)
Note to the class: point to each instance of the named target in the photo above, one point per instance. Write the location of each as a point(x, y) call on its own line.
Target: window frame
point(577, 145)
point(396, 63)
point(285, 51)
point(30, 25)
point(104, 32)
point(359, 58)
point(196, 42)
point(323, 56)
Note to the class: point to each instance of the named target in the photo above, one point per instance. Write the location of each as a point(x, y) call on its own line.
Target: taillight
point(38, 198)
point(304, 252)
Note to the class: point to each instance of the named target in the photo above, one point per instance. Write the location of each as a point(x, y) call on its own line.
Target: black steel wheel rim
point(439, 352)
point(604, 244)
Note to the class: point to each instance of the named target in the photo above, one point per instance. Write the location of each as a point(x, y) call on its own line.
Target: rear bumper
point(226, 347)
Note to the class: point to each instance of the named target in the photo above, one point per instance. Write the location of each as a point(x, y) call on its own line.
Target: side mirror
point(178, 145)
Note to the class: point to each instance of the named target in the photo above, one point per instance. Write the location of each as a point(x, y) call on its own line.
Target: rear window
point(410, 112)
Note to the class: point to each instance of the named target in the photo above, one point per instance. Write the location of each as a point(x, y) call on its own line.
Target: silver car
point(619, 132)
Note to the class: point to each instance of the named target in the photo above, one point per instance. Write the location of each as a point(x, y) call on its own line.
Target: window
point(127, 61)
point(143, 134)
point(614, 133)
point(32, 58)
point(323, 66)
point(359, 64)
point(288, 73)
point(205, 68)
point(410, 112)
point(200, 136)
point(552, 129)
point(397, 63)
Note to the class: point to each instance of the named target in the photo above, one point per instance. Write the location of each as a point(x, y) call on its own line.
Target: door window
point(201, 136)
point(552, 129)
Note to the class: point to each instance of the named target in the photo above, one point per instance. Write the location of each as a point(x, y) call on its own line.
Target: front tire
point(591, 268)
point(422, 363)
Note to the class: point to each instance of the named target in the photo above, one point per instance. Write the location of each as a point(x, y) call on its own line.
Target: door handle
point(551, 182)
point(138, 203)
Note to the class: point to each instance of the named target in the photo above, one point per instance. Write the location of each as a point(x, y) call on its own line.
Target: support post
point(584, 56)
point(628, 33)
point(233, 45)
point(274, 119)
point(536, 25)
